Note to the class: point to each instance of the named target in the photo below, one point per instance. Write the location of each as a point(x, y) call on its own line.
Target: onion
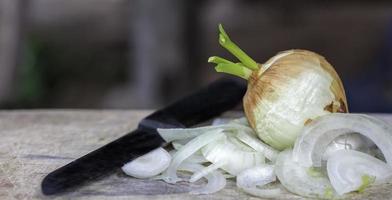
point(171, 134)
point(259, 175)
point(186, 151)
point(353, 171)
point(258, 145)
point(240, 121)
point(184, 134)
point(311, 145)
point(231, 155)
point(216, 181)
point(199, 174)
point(177, 145)
point(148, 165)
point(220, 121)
point(352, 141)
point(296, 178)
point(286, 92)
point(195, 158)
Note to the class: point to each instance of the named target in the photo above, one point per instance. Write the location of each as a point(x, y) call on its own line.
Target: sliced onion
point(350, 170)
point(235, 156)
point(195, 158)
point(310, 146)
point(351, 141)
point(206, 170)
point(296, 179)
point(172, 134)
point(241, 121)
point(216, 181)
point(177, 146)
point(260, 175)
point(258, 145)
point(148, 165)
point(189, 149)
point(220, 121)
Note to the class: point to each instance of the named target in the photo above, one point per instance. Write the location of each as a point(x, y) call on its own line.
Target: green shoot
point(218, 60)
point(225, 41)
point(226, 66)
point(234, 69)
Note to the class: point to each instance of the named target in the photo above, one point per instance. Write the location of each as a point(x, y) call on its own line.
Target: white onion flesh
point(351, 141)
point(260, 175)
point(171, 134)
point(347, 169)
point(177, 145)
point(216, 181)
point(311, 145)
point(241, 121)
point(177, 134)
point(148, 165)
point(220, 121)
point(296, 179)
point(186, 151)
point(196, 158)
point(269, 152)
point(235, 157)
point(206, 170)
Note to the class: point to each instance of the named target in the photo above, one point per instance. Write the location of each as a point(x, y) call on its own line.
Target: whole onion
point(284, 93)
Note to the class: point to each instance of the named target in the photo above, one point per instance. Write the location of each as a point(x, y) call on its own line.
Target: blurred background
point(145, 53)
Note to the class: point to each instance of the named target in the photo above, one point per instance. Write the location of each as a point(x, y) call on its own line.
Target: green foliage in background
point(31, 87)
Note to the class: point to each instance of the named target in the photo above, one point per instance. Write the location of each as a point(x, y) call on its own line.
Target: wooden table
point(33, 143)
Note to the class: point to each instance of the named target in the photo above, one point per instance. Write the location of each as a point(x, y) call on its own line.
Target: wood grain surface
point(34, 143)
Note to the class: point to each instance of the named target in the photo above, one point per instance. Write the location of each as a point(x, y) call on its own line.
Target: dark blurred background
point(146, 53)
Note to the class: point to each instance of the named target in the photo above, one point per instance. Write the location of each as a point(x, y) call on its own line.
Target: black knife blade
point(208, 102)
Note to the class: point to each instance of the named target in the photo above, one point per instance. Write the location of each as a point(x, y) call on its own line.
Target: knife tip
point(48, 187)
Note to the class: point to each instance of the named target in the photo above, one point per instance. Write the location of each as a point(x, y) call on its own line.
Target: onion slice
point(196, 158)
point(353, 141)
point(296, 178)
point(353, 170)
point(206, 170)
point(269, 152)
point(216, 181)
point(220, 121)
point(171, 134)
point(310, 146)
point(241, 121)
point(148, 165)
point(186, 151)
point(234, 155)
point(260, 175)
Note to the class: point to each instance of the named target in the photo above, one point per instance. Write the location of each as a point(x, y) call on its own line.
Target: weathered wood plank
point(33, 143)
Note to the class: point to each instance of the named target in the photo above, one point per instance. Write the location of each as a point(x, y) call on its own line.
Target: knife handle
point(101, 161)
point(208, 102)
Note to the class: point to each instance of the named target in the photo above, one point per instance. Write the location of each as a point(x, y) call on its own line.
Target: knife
point(206, 103)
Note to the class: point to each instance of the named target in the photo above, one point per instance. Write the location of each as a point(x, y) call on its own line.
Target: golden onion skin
point(288, 91)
